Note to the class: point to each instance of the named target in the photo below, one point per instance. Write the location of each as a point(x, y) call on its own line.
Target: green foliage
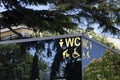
point(106, 67)
point(99, 38)
point(35, 68)
point(15, 64)
point(103, 12)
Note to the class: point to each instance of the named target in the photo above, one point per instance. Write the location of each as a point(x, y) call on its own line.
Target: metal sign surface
point(67, 57)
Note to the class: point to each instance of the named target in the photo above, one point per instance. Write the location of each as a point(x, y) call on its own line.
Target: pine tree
point(65, 15)
point(35, 69)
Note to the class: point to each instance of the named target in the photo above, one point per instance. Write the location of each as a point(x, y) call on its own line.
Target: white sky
point(2, 9)
point(40, 7)
point(31, 7)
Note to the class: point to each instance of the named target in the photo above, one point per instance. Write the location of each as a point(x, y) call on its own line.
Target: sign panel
point(58, 58)
point(71, 47)
point(70, 57)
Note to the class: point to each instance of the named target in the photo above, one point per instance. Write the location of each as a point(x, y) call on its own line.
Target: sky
point(2, 9)
point(51, 6)
point(42, 7)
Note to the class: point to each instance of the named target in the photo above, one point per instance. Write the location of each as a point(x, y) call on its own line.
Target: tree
point(35, 68)
point(16, 62)
point(103, 12)
point(13, 63)
point(106, 67)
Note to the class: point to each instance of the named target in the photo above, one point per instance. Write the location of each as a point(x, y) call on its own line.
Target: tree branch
point(19, 35)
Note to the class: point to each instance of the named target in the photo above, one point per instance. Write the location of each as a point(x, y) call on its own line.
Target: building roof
point(6, 29)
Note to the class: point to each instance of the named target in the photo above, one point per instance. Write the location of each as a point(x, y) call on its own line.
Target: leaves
point(35, 68)
point(105, 66)
point(59, 18)
point(16, 61)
